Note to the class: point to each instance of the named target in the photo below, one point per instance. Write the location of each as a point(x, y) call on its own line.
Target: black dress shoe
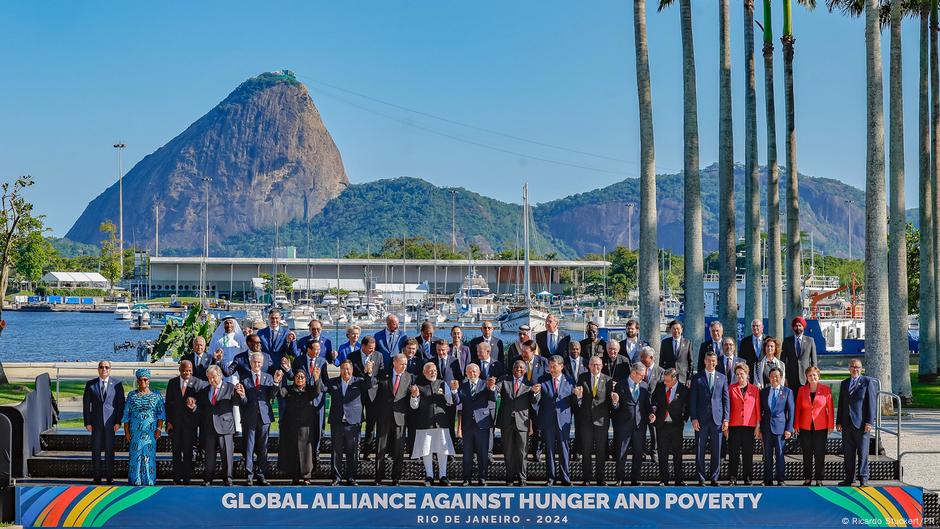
point(680, 483)
point(295, 482)
point(807, 483)
point(549, 483)
point(601, 483)
point(481, 483)
point(747, 483)
point(701, 483)
point(768, 483)
point(844, 483)
point(96, 481)
point(509, 483)
point(713, 483)
point(781, 483)
point(634, 483)
point(465, 483)
point(263, 482)
point(249, 482)
point(565, 483)
point(395, 482)
point(335, 483)
point(377, 483)
point(206, 483)
point(351, 483)
point(428, 481)
point(819, 483)
point(619, 483)
point(227, 483)
point(732, 483)
point(663, 484)
point(863, 483)
point(444, 482)
point(585, 483)
point(110, 481)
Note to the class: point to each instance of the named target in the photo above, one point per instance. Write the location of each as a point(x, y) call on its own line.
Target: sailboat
point(524, 315)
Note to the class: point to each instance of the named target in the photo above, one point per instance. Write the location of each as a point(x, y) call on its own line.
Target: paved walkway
point(920, 431)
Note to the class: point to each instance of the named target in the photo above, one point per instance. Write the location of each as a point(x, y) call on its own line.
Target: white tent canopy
point(75, 280)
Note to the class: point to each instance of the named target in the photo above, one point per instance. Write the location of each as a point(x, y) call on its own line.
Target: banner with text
point(400, 507)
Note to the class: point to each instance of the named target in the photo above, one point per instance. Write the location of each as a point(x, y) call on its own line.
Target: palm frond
point(663, 4)
point(853, 8)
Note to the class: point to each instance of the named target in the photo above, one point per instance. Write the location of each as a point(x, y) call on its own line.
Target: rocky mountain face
point(267, 152)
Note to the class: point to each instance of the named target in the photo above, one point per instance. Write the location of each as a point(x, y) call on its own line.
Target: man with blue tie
point(554, 418)
point(255, 393)
point(776, 425)
point(630, 401)
point(426, 342)
point(496, 345)
point(390, 341)
point(102, 409)
point(477, 412)
point(710, 409)
point(277, 341)
point(552, 340)
point(855, 419)
point(346, 393)
point(535, 367)
point(751, 348)
point(488, 366)
point(728, 360)
point(326, 346)
point(200, 358)
point(712, 343)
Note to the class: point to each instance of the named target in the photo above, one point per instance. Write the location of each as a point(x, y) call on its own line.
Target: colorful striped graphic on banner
point(79, 505)
point(884, 506)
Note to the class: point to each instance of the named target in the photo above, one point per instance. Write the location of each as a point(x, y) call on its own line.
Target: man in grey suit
point(216, 402)
point(675, 352)
point(653, 377)
point(799, 352)
point(592, 396)
point(102, 409)
point(513, 419)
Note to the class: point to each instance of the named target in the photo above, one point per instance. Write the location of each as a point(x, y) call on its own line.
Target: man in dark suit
point(391, 409)
point(630, 401)
point(729, 359)
point(652, 378)
point(710, 409)
point(241, 364)
point(389, 341)
point(536, 366)
point(751, 348)
point(858, 399)
point(496, 345)
point(102, 410)
point(671, 410)
point(346, 394)
point(554, 418)
point(426, 343)
point(182, 423)
point(326, 346)
point(776, 425)
point(675, 352)
point(799, 352)
point(216, 402)
point(616, 366)
point(200, 359)
point(360, 358)
point(516, 399)
point(478, 410)
point(592, 398)
point(575, 366)
point(447, 369)
point(592, 345)
point(552, 340)
point(712, 343)
point(631, 345)
point(255, 393)
point(276, 340)
point(488, 366)
point(414, 361)
point(524, 334)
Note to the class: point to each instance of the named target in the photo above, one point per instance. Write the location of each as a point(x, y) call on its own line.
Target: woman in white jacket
point(771, 350)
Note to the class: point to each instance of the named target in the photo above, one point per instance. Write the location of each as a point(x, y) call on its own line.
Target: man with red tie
point(216, 402)
point(670, 411)
point(391, 408)
point(516, 398)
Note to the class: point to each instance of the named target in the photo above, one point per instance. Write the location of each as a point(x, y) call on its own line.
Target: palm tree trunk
point(897, 243)
point(794, 255)
point(692, 218)
point(928, 322)
point(753, 304)
point(649, 267)
point(877, 354)
point(774, 261)
point(935, 161)
point(727, 286)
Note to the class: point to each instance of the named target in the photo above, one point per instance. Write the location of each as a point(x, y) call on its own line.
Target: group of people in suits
point(549, 393)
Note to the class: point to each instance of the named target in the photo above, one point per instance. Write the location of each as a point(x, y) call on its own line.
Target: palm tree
point(752, 294)
point(649, 254)
point(928, 293)
point(692, 208)
point(897, 241)
point(774, 266)
point(935, 160)
point(727, 238)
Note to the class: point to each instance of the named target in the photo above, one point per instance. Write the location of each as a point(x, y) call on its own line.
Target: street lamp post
point(848, 210)
point(120, 149)
point(204, 287)
point(630, 207)
point(453, 220)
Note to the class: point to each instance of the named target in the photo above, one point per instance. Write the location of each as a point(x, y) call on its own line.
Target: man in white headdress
point(229, 338)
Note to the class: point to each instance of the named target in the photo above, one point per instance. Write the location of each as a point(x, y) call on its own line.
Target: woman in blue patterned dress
point(143, 419)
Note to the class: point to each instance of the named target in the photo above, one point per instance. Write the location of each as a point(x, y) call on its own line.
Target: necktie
point(646, 377)
point(395, 384)
point(852, 385)
point(668, 401)
point(728, 366)
point(258, 382)
point(344, 386)
point(711, 381)
point(556, 387)
point(427, 348)
point(757, 346)
point(310, 368)
point(675, 347)
point(485, 369)
point(529, 369)
point(473, 388)
point(182, 387)
point(773, 399)
point(797, 340)
point(636, 392)
point(442, 366)
point(104, 390)
point(715, 347)
point(594, 387)
point(215, 395)
point(551, 342)
point(515, 387)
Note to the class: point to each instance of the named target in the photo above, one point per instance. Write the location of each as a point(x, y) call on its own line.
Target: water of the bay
point(78, 336)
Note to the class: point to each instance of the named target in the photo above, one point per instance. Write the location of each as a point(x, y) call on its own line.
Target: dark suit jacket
point(778, 419)
point(391, 408)
point(326, 346)
point(678, 408)
point(359, 364)
point(104, 413)
point(477, 411)
point(495, 369)
point(433, 410)
point(640, 344)
point(682, 364)
point(514, 407)
point(858, 407)
point(617, 368)
point(588, 349)
point(796, 367)
point(241, 365)
point(631, 414)
point(513, 352)
point(580, 366)
point(654, 375)
point(710, 406)
point(554, 409)
point(397, 343)
point(747, 352)
point(496, 347)
point(451, 370)
point(177, 414)
point(218, 418)
point(277, 345)
point(255, 406)
point(732, 380)
point(541, 338)
point(430, 353)
point(200, 367)
point(415, 365)
point(704, 348)
point(539, 368)
point(349, 405)
point(463, 357)
point(594, 410)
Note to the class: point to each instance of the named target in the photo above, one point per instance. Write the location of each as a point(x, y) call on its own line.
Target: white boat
point(122, 311)
point(330, 300)
point(140, 317)
point(474, 302)
point(280, 300)
point(514, 317)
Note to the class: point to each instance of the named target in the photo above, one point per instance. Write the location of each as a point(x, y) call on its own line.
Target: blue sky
point(79, 76)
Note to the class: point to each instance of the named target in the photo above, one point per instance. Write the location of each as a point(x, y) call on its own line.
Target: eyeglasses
point(104, 367)
point(855, 367)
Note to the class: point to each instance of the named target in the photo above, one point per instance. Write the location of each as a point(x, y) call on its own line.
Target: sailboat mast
point(527, 288)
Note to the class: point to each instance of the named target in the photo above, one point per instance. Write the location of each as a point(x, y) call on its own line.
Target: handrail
point(878, 428)
point(911, 453)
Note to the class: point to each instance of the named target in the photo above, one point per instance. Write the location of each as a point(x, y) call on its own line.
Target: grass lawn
point(925, 395)
point(14, 393)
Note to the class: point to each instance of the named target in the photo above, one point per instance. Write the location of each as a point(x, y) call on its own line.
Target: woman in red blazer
point(742, 422)
point(814, 421)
